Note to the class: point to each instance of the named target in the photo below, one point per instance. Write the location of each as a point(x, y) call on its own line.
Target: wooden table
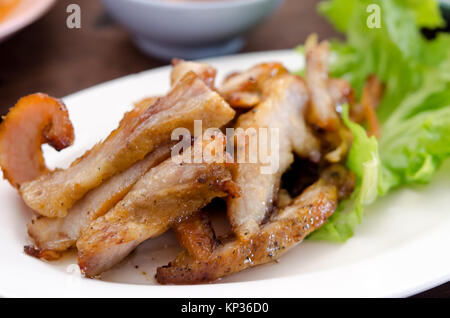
point(48, 57)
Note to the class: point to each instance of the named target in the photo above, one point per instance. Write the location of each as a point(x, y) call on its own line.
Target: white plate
point(401, 248)
point(25, 13)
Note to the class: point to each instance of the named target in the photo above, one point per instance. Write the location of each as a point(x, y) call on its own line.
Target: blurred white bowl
point(25, 13)
point(190, 29)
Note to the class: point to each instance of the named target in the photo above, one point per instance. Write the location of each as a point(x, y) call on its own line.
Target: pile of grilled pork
point(128, 189)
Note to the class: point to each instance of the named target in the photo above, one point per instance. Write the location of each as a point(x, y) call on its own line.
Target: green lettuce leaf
point(415, 110)
point(363, 160)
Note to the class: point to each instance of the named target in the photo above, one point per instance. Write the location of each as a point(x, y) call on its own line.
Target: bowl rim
point(200, 5)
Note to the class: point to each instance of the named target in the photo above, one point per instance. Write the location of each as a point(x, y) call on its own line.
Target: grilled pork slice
point(371, 97)
point(196, 235)
point(166, 195)
point(340, 92)
point(307, 213)
point(55, 193)
point(243, 90)
point(205, 71)
point(285, 99)
point(322, 111)
point(53, 236)
point(139, 108)
point(35, 119)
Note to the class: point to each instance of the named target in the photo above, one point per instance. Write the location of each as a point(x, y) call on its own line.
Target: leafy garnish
point(415, 110)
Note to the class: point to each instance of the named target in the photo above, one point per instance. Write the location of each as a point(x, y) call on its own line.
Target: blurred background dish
point(17, 14)
point(190, 29)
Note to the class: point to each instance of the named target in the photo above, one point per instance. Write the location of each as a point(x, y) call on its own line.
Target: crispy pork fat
point(166, 195)
point(285, 99)
point(55, 193)
point(52, 236)
point(307, 213)
point(34, 120)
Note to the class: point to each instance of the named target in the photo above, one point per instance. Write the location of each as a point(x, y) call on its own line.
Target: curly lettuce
point(415, 110)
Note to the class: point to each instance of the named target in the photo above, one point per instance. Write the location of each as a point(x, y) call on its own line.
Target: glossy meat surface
point(206, 72)
point(322, 111)
point(166, 195)
point(55, 193)
point(35, 120)
point(304, 215)
point(243, 90)
point(52, 236)
point(285, 99)
point(196, 235)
